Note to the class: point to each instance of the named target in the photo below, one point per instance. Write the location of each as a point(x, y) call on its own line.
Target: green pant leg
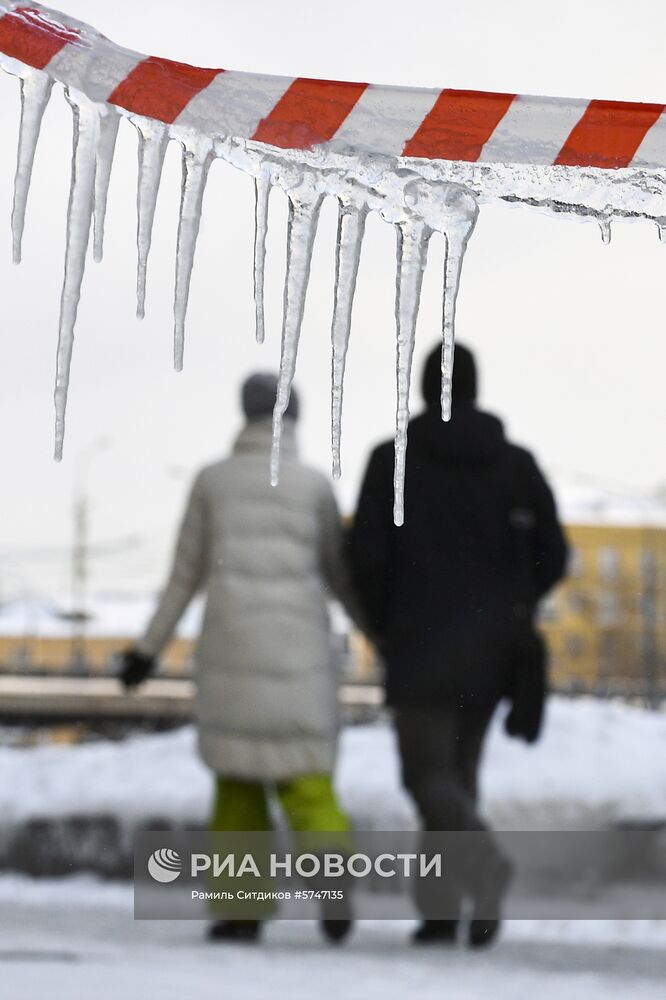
point(311, 806)
point(239, 807)
point(320, 826)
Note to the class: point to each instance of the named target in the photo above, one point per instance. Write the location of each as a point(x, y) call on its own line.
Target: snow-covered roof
point(110, 615)
point(589, 505)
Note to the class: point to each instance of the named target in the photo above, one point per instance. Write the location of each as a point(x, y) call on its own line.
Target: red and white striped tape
point(299, 113)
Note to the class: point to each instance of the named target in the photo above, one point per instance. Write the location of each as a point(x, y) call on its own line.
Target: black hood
point(470, 437)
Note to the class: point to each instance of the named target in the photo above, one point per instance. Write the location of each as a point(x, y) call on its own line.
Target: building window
point(548, 610)
point(577, 602)
point(608, 610)
point(609, 563)
point(648, 568)
point(574, 645)
point(576, 565)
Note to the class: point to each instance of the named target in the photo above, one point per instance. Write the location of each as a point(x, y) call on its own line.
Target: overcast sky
point(571, 335)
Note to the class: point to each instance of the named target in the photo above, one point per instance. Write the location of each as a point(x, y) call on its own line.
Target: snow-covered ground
point(75, 938)
point(598, 762)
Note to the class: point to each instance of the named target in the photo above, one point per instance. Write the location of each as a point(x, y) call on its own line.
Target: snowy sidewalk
point(76, 938)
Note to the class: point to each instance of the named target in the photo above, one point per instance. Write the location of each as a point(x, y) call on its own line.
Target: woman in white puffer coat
point(268, 560)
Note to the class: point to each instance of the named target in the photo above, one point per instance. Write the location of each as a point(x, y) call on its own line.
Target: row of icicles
point(415, 207)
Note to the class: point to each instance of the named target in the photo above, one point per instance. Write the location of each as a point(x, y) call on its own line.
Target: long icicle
point(196, 164)
point(301, 230)
point(106, 144)
point(79, 215)
point(456, 238)
point(351, 229)
point(413, 239)
point(262, 190)
point(36, 90)
point(153, 140)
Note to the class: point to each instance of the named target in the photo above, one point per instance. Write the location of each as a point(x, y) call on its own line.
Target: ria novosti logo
point(164, 865)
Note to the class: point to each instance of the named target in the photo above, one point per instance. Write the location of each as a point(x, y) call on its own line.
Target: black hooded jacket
point(440, 591)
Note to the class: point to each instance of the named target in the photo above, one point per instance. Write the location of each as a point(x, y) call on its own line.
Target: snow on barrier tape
point(422, 159)
point(298, 113)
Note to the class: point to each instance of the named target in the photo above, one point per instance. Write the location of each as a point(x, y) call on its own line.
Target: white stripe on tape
point(652, 150)
point(234, 103)
point(95, 70)
point(533, 130)
point(383, 119)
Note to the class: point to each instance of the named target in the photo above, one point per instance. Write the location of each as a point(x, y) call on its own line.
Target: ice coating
point(35, 93)
point(197, 158)
point(153, 140)
point(106, 145)
point(304, 207)
point(79, 216)
point(262, 190)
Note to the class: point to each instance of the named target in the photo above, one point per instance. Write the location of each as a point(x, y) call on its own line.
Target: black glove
point(135, 667)
point(528, 686)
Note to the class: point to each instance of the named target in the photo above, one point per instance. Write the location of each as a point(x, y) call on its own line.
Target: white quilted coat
point(267, 559)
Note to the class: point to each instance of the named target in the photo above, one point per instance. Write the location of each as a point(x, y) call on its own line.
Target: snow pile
point(598, 763)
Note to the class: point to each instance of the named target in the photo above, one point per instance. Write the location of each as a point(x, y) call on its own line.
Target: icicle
point(197, 159)
point(79, 214)
point(108, 132)
point(153, 139)
point(35, 93)
point(351, 229)
point(262, 190)
point(301, 229)
point(413, 239)
point(456, 243)
point(450, 209)
point(605, 227)
point(661, 230)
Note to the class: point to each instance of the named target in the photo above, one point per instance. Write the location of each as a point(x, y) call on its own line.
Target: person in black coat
point(450, 598)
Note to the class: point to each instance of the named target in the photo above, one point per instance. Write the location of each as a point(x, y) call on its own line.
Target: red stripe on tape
point(608, 134)
point(308, 113)
point(459, 125)
point(29, 35)
point(160, 88)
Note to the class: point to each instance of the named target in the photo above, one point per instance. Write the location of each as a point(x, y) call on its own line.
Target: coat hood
point(470, 438)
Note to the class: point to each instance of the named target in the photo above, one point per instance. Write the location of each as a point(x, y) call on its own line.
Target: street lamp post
point(80, 554)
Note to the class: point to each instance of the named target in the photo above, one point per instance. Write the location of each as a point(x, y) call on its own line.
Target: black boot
point(436, 932)
point(235, 931)
point(336, 920)
point(336, 931)
point(483, 930)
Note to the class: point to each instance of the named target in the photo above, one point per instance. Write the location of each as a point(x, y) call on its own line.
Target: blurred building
point(605, 625)
point(38, 636)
